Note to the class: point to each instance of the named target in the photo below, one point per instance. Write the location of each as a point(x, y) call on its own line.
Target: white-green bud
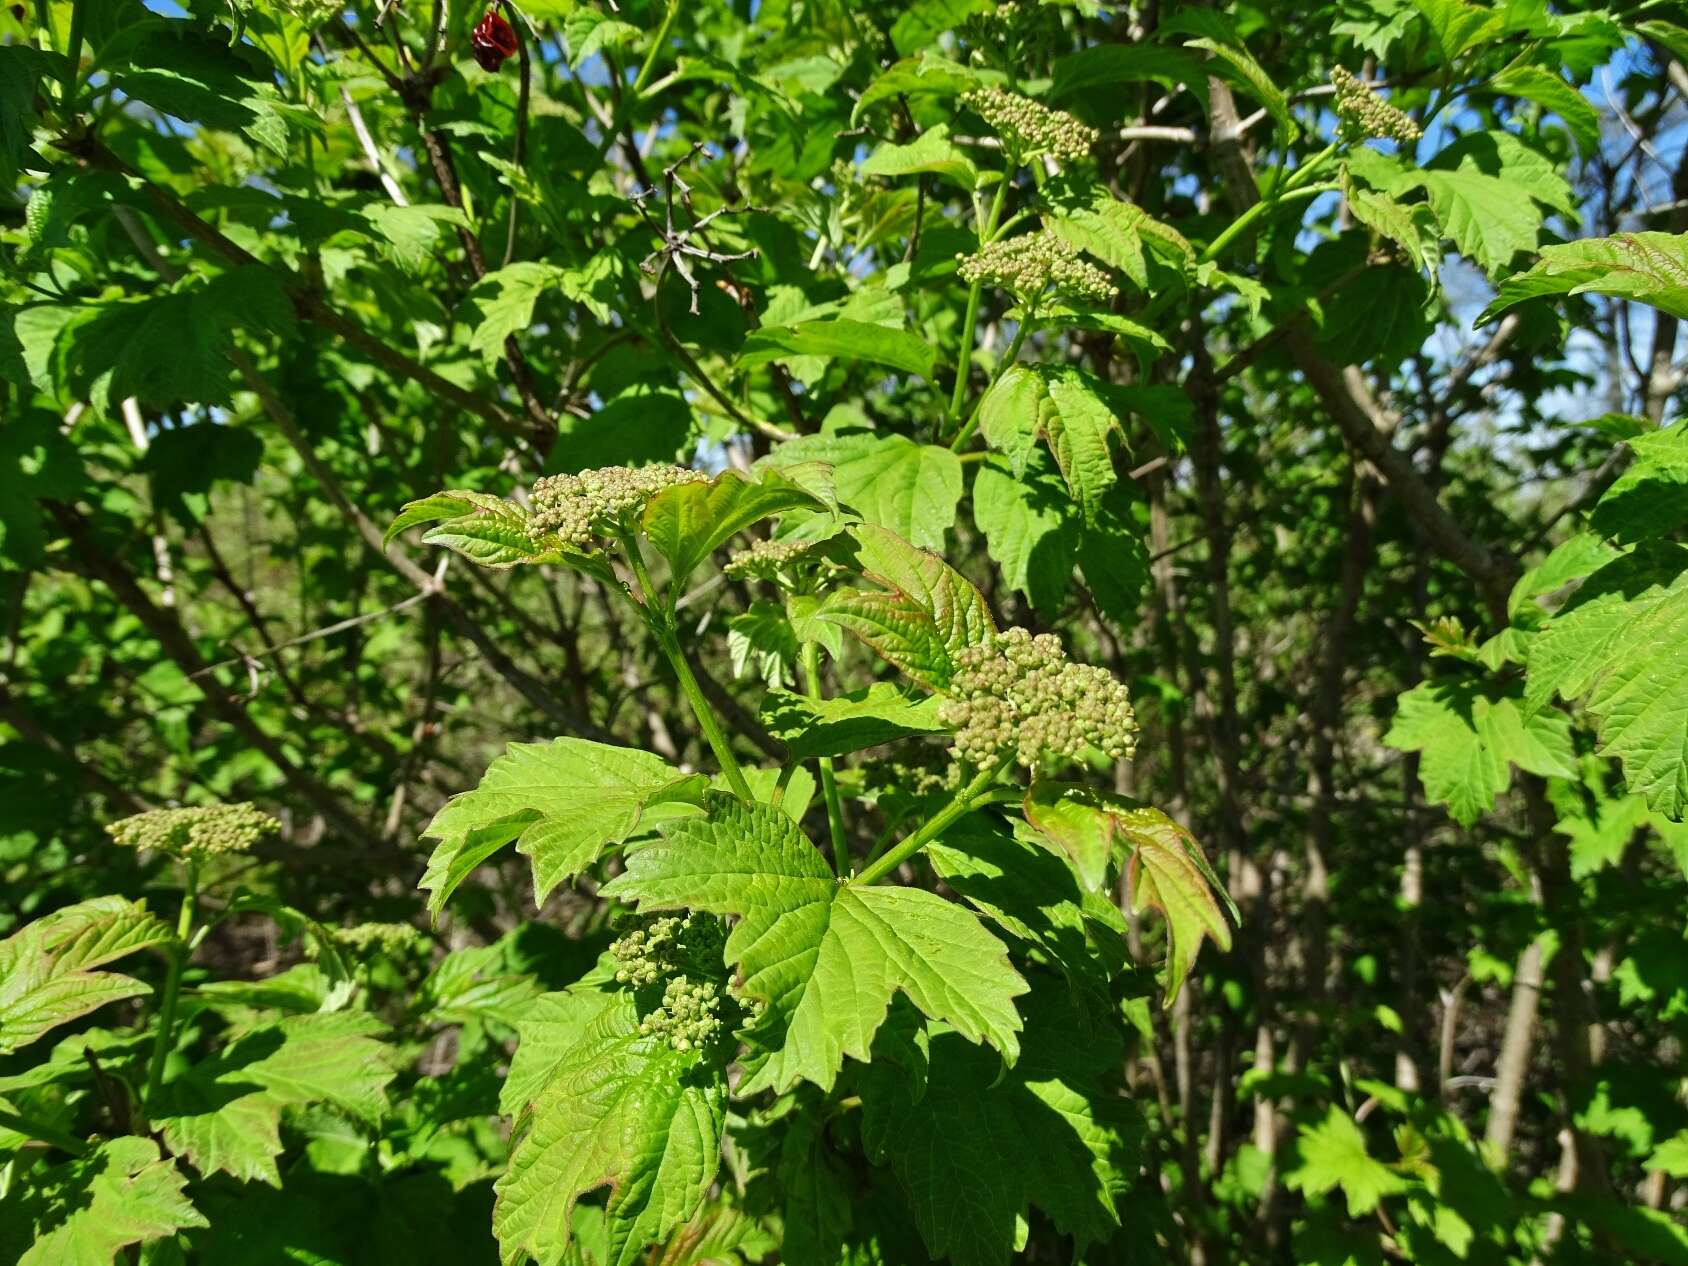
point(196, 832)
point(768, 560)
point(394, 940)
point(1029, 128)
point(599, 503)
point(1028, 265)
point(1019, 693)
point(1363, 113)
point(689, 1015)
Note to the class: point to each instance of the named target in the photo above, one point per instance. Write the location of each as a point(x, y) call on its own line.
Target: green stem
point(935, 826)
point(1302, 174)
point(73, 54)
point(1247, 219)
point(42, 1133)
point(172, 987)
point(661, 39)
point(660, 616)
point(829, 781)
point(968, 323)
point(1009, 357)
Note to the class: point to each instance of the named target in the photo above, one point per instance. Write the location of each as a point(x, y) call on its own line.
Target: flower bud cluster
point(1022, 694)
point(596, 502)
point(1028, 128)
point(689, 1017)
point(1028, 265)
point(666, 946)
point(1003, 25)
point(765, 560)
point(393, 940)
point(1365, 114)
point(197, 832)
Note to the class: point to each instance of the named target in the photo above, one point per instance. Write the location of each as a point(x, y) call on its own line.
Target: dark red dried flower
point(494, 40)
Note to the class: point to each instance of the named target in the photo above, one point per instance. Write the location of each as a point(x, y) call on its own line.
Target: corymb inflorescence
point(689, 1016)
point(1365, 114)
point(1028, 128)
point(1021, 694)
point(1028, 265)
point(599, 503)
point(771, 560)
point(681, 954)
point(197, 832)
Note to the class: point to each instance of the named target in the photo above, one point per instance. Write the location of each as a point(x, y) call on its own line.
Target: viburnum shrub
point(767, 981)
point(627, 628)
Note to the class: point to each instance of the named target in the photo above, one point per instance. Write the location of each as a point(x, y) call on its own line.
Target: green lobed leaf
point(927, 74)
point(1011, 876)
point(1458, 25)
point(688, 522)
point(981, 1146)
point(92, 1209)
point(852, 722)
point(910, 488)
point(550, 1028)
point(1469, 738)
point(1548, 90)
point(1649, 501)
point(1164, 865)
point(21, 68)
point(1333, 1154)
point(491, 532)
point(46, 969)
point(926, 612)
point(931, 151)
point(562, 802)
point(472, 985)
point(1618, 641)
point(503, 302)
point(224, 1116)
point(622, 1111)
point(1031, 527)
point(841, 338)
point(1103, 66)
point(826, 957)
point(1651, 268)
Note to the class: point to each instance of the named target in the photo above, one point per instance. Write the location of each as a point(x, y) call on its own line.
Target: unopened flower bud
point(1364, 114)
point(1029, 128)
point(1018, 693)
point(197, 832)
point(598, 503)
point(1028, 265)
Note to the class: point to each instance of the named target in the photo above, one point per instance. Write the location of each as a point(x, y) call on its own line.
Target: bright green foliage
point(824, 955)
point(89, 1211)
point(866, 487)
point(925, 613)
point(621, 1109)
point(562, 802)
point(47, 975)
point(689, 522)
point(1469, 738)
point(1651, 267)
point(1617, 641)
point(1333, 1154)
point(847, 723)
point(912, 489)
point(225, 1116)
point(1071, 1137)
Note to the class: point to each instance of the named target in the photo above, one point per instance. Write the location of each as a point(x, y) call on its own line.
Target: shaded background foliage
point(288, 267)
